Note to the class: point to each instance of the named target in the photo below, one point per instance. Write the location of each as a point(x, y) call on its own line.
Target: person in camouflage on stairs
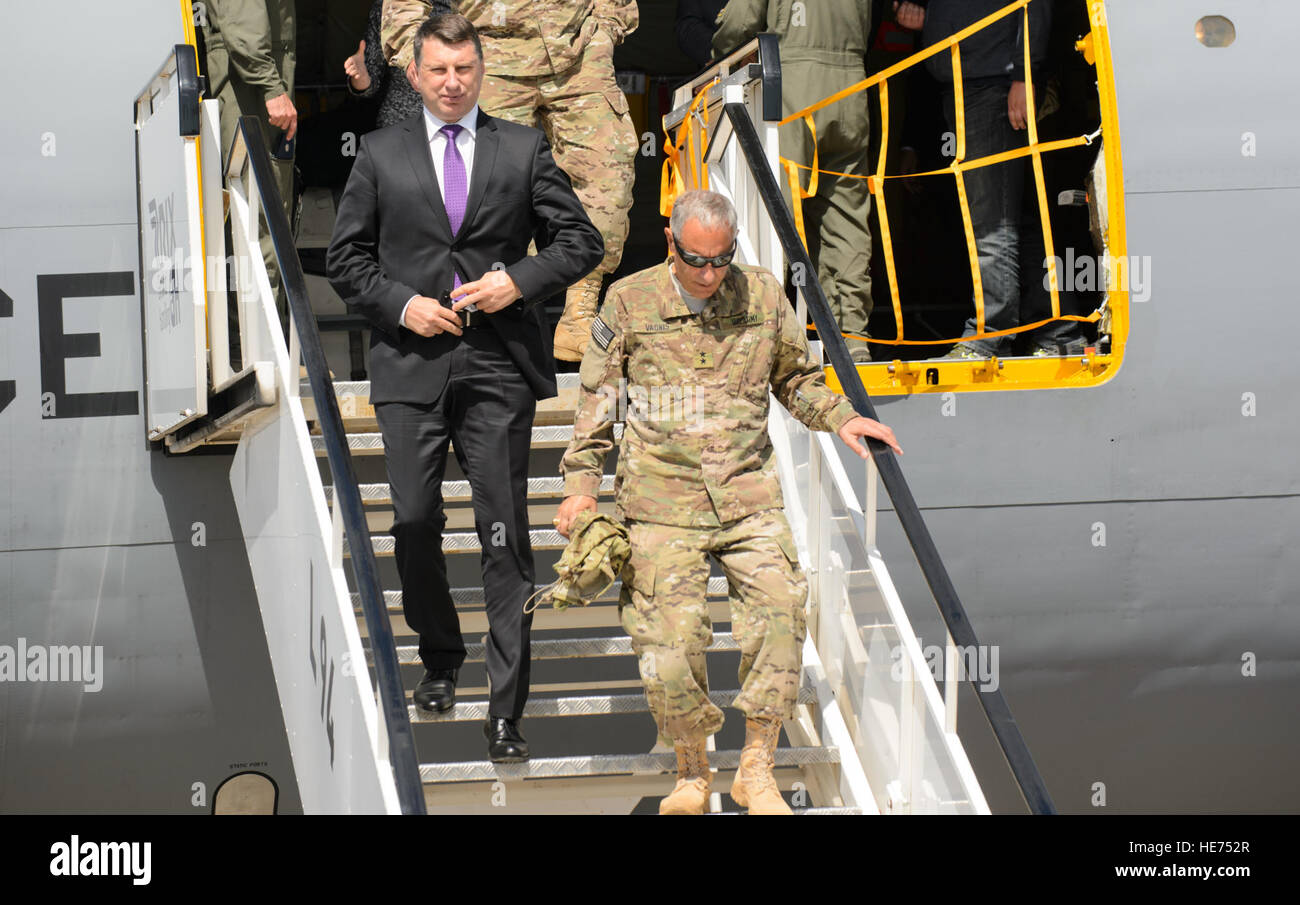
point(551, 65)
point(699, 343)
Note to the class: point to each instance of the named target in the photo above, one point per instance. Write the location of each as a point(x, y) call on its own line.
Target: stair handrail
point(347, 496)
point(736, 118)
point(1012, 743)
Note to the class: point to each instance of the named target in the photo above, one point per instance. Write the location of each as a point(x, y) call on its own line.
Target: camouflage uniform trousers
point(585, 118)
point(665, 612)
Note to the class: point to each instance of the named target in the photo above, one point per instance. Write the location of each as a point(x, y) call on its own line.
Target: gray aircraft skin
point(1127, 548)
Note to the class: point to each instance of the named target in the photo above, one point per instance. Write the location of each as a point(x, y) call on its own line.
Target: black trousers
point(486, 412)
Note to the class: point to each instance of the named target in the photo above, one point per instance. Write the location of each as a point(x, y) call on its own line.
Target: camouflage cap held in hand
point(597, 551)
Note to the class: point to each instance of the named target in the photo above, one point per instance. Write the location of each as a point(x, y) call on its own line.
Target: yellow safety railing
point(911, 376)
point(672, 181)
point(957, 169)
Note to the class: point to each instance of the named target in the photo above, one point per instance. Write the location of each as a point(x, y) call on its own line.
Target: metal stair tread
point(576, 705)
point(548, 436)
point(607, 764)
point(563, 648)
point(458, 491)
point(716, 588)
point(361, 388)
point(801, 812)
point(465, 542)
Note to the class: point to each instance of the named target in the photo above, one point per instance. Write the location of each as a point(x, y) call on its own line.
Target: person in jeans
point(1002, 199)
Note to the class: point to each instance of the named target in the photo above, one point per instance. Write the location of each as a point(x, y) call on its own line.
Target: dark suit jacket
point(392, 240)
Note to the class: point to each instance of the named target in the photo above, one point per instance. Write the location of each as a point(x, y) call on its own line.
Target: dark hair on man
point(450, 28)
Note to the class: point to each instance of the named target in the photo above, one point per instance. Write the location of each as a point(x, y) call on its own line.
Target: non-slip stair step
point(563, 648)
point(801, 812)
point(473, 597)
point(458, 491)
point(546, 436)
point(607, 765)
point(358, 413)
point(465, 542)
point(580, 705)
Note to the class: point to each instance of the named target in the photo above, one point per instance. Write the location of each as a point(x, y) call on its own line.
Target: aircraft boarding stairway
point(872, 732)
point(594, 748)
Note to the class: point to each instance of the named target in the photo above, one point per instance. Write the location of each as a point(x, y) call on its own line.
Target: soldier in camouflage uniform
point(699, 342)
point(250, 66)
point(823, 44)
point(551, 66)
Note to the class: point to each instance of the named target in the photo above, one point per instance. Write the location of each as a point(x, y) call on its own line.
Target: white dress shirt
point(438, 148)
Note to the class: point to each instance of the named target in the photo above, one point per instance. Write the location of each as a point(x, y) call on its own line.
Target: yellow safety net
point(673, 182)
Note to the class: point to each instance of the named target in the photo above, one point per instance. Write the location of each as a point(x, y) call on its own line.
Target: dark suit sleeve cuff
point(530, 279)
point(392, 305)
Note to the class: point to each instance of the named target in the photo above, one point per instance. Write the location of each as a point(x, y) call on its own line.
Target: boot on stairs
point(691, 794)
point(754, 786)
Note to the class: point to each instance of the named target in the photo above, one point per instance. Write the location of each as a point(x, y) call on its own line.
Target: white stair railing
point(337, 739)
point(877, 699)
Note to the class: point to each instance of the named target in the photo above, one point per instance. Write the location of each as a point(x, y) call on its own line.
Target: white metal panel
point(172, 282)
point(1202, 118)
point(328, 703)
point(70, 128)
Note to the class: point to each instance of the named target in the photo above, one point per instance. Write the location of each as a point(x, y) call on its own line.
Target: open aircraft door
point(182, 260)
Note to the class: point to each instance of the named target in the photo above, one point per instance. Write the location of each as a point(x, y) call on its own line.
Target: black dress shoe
point(436, 691)
point(505, 744)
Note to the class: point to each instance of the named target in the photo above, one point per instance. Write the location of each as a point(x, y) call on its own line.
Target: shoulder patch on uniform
point(601, 333)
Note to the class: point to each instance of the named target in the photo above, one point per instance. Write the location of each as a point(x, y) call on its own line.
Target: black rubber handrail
point(392, 696)
point(995, 705)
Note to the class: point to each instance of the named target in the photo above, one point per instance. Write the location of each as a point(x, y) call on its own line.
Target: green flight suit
point(250, 59)
point(823, 43)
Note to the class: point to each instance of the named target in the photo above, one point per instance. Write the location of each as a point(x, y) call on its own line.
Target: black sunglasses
point(694, 260)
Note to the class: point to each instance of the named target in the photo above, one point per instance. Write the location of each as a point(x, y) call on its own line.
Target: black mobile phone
point(284, 147)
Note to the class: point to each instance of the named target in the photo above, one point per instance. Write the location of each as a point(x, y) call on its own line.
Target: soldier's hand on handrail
point(864, 427)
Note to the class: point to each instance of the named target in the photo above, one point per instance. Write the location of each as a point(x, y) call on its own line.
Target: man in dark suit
point(447, 202)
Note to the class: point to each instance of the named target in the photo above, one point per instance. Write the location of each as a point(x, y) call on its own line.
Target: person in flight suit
point(823, 46)
point(700, 342)
point(251, 58)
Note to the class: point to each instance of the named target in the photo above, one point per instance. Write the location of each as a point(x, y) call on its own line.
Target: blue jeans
point(1008, 230)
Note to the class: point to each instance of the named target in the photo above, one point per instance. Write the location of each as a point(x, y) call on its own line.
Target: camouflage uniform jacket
point(529, 38)
point(695, 448)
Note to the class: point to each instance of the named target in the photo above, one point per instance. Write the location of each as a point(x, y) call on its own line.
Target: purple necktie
point(455, 185)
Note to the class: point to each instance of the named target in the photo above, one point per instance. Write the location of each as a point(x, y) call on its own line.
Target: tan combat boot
point(691, 794)
point(755, 787)
point(573, 332)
